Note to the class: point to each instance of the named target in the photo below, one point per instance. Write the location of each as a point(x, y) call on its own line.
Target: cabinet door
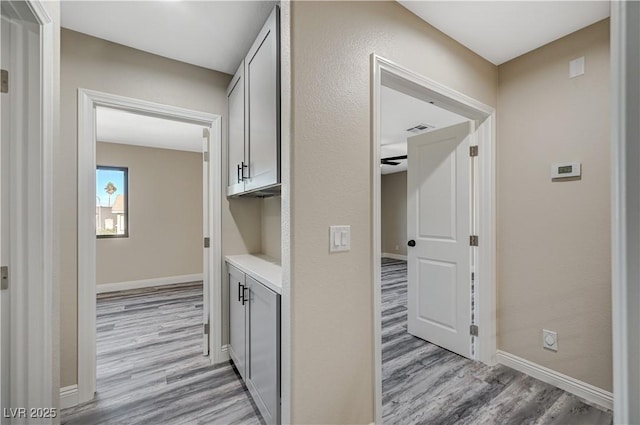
point(263, 98)
point(237, 319)
point(264, 350)
point(236, 161)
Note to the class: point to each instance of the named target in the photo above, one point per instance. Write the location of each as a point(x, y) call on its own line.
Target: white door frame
point(88, 100)
point(33, 310)
point(625, 214)
point(389, 74)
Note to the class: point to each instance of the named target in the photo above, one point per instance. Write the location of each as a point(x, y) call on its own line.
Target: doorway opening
point(431, 282)
point(149, 235)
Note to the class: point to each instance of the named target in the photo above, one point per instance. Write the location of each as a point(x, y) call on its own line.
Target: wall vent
point(420, 128)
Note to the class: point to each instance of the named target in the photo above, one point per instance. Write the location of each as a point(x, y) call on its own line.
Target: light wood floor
point(423, 383)
point(150, 364)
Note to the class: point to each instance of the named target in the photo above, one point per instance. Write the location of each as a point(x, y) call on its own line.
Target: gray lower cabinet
point(254, 340)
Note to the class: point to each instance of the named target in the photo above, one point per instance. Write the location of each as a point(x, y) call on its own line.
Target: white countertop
point(264, 269)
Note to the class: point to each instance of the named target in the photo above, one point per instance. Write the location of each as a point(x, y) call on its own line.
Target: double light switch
point(339, 238)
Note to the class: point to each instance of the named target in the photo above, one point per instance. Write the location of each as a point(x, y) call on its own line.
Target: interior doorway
point(110, 220)
point(461, 188)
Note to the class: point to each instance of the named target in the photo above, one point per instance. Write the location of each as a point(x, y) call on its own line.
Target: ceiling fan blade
point(394, 158)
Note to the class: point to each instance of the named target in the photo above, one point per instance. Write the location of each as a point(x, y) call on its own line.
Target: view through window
point(112, 211)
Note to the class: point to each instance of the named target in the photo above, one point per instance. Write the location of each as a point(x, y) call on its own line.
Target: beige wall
point(165, 215)
point(271, 212)
point(91, 63)
point(394, 213)
point(332, 323)
point(554, 237)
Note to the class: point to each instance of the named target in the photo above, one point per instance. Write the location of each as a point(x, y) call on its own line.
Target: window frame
point(126, 201)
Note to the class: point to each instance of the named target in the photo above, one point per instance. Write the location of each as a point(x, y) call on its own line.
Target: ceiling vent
point(420, 128)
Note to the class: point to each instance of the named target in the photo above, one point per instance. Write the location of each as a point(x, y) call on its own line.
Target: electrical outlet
point(549, 340)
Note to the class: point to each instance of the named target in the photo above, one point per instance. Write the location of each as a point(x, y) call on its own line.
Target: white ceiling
point(398, 112)
point(502, 30)
point(128, 128)
point(211, 34)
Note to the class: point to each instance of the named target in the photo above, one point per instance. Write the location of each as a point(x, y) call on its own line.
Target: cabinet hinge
point(473, 330)
point(4, 81)
point(4, 277)
point(473, 150)
point(206, 329)
point(207, 242)
point(473, 240)
point(206, 157)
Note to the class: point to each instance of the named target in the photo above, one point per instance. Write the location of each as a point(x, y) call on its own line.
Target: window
point(112, 206)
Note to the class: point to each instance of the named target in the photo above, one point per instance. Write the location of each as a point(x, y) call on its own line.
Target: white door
point(4, 225)
point(206, 230)
point(439, 186)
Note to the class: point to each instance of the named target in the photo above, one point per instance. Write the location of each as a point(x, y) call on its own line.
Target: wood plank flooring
point(425, 384)
point(150, 364)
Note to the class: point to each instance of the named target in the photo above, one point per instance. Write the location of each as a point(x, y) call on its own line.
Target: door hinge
point(4, 277)
point(473, 330)
point(473, 240)
point(473, 277)
point(206, 157)
point(205, 132)
point(4, 81)
point(206, 329)
point(473, 150)
point(207, 242)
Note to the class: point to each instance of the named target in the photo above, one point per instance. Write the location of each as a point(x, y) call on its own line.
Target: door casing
point(88, 100)
point(387, 73)
point(33, 380)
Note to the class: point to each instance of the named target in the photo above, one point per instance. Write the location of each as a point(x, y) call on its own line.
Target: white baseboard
point(68, 396)
point(572, 385)
point(147, 283)
point(394, 256)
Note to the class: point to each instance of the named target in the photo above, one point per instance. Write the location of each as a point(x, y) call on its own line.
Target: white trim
point(147, 283)
point(33, 308)
point(285, 220)
point(574, 386)
point(394, 256)
point(87, 102)
point(625, 213)
point(393, 75)
point(68, 396)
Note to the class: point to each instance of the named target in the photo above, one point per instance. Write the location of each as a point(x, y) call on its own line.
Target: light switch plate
point(339, 238)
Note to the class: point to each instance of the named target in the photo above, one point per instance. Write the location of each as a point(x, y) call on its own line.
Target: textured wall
point(394, 213)
point(332, 323)
point(554, 260)
point(165, 215)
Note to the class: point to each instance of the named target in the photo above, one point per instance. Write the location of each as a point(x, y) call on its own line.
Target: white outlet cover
point(549, 340)
point(576, 67)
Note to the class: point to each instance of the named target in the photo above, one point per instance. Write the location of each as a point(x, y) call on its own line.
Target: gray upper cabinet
point(254, 156)
point(237, 162)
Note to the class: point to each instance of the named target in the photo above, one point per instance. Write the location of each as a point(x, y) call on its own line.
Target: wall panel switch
point(339, 238)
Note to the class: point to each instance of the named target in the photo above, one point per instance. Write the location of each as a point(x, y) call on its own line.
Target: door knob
point(411, 243)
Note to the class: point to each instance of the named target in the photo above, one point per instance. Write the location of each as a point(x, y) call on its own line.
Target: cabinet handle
point(244, 298)
point(238, 174)
point(240, 292)
point(241, 168)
